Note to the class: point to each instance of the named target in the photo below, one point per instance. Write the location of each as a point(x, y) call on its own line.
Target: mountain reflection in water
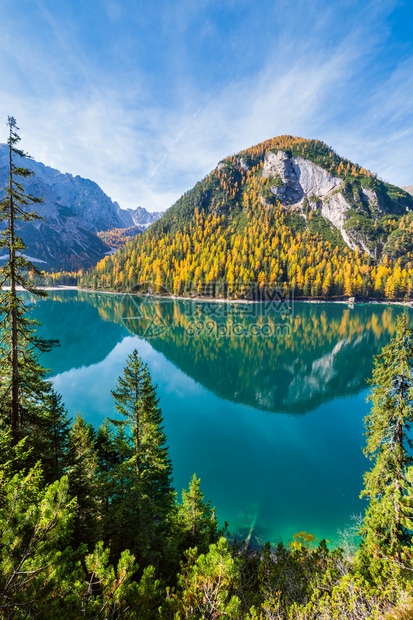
point(227, 375)
point(313, 354)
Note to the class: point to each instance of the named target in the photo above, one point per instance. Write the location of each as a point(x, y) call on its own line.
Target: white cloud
point(144, 149)
point(380, 136)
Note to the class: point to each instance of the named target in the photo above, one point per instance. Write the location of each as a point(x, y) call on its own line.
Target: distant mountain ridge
point(143, 218)
point(288, 212)
point(75, 210)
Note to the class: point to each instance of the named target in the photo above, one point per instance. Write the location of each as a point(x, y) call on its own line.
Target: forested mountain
point(74, 211)
point(90, 526)
point(289, 212)
point(117, 237)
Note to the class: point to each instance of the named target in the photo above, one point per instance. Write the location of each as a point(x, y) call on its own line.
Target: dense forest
point(91, 526)
point(232, 228)
point(117, 237)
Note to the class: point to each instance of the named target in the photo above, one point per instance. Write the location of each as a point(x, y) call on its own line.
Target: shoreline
point(63, 287)
point(316, 300)
point(348, 302)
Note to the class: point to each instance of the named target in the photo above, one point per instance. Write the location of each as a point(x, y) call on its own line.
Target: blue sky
point(145, 97)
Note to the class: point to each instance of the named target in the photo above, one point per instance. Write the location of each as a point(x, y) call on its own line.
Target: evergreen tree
point(115, 480)
point(388, 523)
point(22, 385)
point(207, 586)
point(197, 524)
point(40, 575)
point(128, 402)
point(156, 466)
point(114, 594)
point(158, 496)
point(49, 434)
point(37, 569)
point(82, 470)
point(107, 460)
point(146, 476)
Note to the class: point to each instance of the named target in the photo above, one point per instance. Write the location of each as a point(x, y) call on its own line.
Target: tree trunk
point(14, 413)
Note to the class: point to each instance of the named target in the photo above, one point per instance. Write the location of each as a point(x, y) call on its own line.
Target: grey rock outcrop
point(143, 218)
point(301, 178)
point(300, 182)
point(74, 210)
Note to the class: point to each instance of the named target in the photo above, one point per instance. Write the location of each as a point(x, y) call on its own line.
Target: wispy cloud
point(146, 125)
point(380, 136)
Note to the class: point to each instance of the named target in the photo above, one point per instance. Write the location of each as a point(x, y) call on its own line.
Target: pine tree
point(108, 459)
point(37, 570)
point(128, 401)
point(156, 465)
point(158, 496)
point(388, 523)
point(22, 385)
point(207, 586)
point(40, 575)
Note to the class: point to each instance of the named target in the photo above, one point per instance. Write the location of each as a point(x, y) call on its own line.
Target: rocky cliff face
point(74, 210)
point(299, 176)
point(87, 201)
point(143, 218)
point(302, 185)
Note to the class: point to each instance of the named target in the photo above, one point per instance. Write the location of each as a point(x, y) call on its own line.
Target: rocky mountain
point(75, 210)
point(301, 184)
point(408, 188)
point(143, 218)
point(289, 212)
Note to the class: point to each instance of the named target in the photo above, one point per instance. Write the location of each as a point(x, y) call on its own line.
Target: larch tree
point(388, 522)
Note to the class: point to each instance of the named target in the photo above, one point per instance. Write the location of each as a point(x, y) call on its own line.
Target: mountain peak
point(75, 209)
point(286, 212)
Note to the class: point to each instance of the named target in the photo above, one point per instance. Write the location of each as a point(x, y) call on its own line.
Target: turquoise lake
point(265, 405)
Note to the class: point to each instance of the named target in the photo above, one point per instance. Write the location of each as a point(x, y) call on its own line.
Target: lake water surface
point(265, 405)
